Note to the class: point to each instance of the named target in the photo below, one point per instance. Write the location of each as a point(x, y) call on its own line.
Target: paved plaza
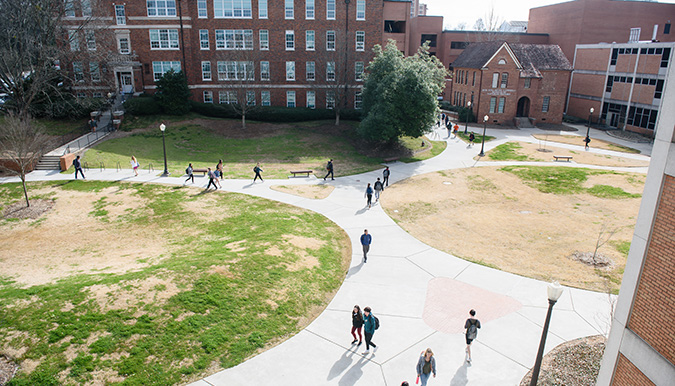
point(421, 295)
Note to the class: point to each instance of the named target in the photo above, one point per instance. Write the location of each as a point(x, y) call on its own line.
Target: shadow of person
point(354, 373)
point(341, 364)
point(354, 270)
point(248, 186)
point(460, 378)
point(362, 210)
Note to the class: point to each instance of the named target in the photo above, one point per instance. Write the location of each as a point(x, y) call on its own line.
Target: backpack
point(187, 171)
point(377, 322)
point(472, 331)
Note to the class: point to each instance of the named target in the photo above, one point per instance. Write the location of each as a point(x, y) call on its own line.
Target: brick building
point(623, 83)
point(512, 80)
point(641, 345)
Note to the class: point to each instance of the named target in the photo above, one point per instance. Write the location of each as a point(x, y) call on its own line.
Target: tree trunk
point(337, 117)
point(25, 190)
point(243, 121)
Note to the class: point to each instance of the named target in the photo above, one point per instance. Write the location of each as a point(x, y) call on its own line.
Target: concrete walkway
point(421, 295)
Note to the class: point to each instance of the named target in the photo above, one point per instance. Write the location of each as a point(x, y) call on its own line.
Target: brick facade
point(628, 375)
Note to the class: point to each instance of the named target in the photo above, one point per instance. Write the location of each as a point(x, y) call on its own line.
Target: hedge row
point(273, 113)
point(142, 106)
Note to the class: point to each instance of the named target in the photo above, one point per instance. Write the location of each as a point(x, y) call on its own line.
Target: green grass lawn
point(229, 302)
point(479, 136)
point(431, 149)
point(58, 127)
point(507, 152)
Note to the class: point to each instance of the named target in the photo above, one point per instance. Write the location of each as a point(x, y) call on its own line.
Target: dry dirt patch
point(314, 192)
point(578, 140)
point(491, 216)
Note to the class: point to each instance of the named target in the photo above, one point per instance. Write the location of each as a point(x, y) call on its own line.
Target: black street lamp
point(466, 124)
point(482, 143)
point(588, 131)
point(111, 101)
point(162, 127)
point(554, 291)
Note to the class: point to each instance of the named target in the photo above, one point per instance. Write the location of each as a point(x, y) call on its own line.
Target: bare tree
point(22, 143)
point(604, 236)
point(237, 73)
point(489, 24)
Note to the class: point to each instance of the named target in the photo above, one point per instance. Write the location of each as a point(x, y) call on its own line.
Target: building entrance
point(523, 107)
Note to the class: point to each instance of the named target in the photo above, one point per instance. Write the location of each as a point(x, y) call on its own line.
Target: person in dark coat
point(369, 329)
point(329, 167)
point(78, 167)
point(257, 169)
point(357, 324)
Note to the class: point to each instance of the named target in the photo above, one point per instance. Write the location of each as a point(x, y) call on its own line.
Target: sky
point(455, 11)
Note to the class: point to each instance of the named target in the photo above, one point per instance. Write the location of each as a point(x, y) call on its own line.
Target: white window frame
point(120, 45)
point(262, 9)
point(289, 9)
point(290, 99)
point(120, 15)
point(545, 104)
point(207, 96)
point(90, 40)
point(311, 99)
point(360, 9)
point(265, 98)
point(161, 8)
point(493, 104)
point(360, 40)
point(359, 68)
point(235, 70)
point(204, 39)
point(207, 75)
point(330, 99)
point(159, 68)
point(330, 40)
point(264, 70)
point(170, 43)
point(264, 39)
point(250, 98)
point(330, 9)
point(310, 9)
point(330, 72)
point(289, 40)
point(500, 105)
point(227, 97)
point(86, 8)
point(78, 71)
point(290, 71)
point(310, 75)
point(202, 13)
point(74, 40)
point(495, 80)
point(310, 40)
point(69, 8)
point(95, 71)
point(504, 80)
point(358, 100)
point(232, 9)
point(234, 39)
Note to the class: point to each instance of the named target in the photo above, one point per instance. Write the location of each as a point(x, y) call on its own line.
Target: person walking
point(357, 324)
point(329, 167)
point(190, 173)
point(472, 137)
point(257, 169)
point(587, 140)
point(78, 167)
point(92, 125)
point(212, 180)
point(472, 325)
point(135, 165)
point(219, 169)
point(369, 195)
point(366, 239)
point(426, 366)
point(378, 188)
point(385, 176)
point(369, 327)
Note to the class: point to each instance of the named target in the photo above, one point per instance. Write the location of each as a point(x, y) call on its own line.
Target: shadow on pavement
point(460, 378)
point(342, 363)
point(355, 372)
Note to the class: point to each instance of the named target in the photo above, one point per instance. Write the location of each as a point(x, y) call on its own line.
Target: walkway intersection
point(421, 295)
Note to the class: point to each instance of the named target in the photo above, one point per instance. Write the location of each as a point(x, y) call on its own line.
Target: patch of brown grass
point(314, 192)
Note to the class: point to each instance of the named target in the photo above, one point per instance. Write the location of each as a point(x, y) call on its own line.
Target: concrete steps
point(48, 162)
point(523, 123)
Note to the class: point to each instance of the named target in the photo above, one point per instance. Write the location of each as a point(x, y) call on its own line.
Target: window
point(330, 40)
point(309, 40)
point(78, 72)
point(90, 38)
point(264, 70)
point(290, 98)
point(231, 70)
point(290, 70)
point(227, 97)
point(97, 94)
point(201, 9)
point(161, 7)
point(500, 108)
point(360, 9)
point(74, 40)
point(290, 41)
point(615, 56)
point(659, 89)
point(311, 99)
point(431, 38)
point(164, 39)
point(206, 71)
point(358, 71)
point(640, 117)
point(310, 69)
point(527, 82)
point(495, 81)
point(250, 98)
point(666, 29)
point(634, 35)
point(204, 39)
point(80, 95)
point(232, 9)
point(544, 104)
point(505, 79)
point(124, 45)
point(264, 37)
point(94, 72)
point(360, 40)
point(610, 84)
point(473, 82)
point(86, 8)
point(159, 68)
point(234, 39)
point(208, 96)
point(330, 9)
point(358, 100)
point(120, 16)
point(265, 99)
point(262, 9)
point(330, 99)
point(330, 71)
point(493, 103)
point(458, 45)
point(309, 9)
point(69, 8)
point(288, 8)
point(665, 57)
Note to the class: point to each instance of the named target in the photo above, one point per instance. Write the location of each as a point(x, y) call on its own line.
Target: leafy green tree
point(173, 93)
point(400, 95)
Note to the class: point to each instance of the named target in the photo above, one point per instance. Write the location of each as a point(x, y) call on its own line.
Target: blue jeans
point(424, 378)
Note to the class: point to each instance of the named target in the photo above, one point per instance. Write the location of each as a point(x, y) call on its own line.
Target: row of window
point(459, 98)
point(94, 72)
point(245, 70)
point(462, 77)
point(228, 97)
point(222, 9)
point(664, 52)
point(658, 90)
point(74, 39)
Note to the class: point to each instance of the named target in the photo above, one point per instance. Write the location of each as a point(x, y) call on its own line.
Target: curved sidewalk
point(421, 296)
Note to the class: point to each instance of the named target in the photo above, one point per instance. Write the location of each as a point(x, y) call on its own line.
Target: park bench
point(306, 172)
point(391, 159)
point(562, 157)
point(201, 170)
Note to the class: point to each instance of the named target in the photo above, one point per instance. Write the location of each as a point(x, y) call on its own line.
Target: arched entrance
point(523, 107)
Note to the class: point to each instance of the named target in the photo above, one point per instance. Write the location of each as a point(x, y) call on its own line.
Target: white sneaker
point(375, 349)
point(365, 352)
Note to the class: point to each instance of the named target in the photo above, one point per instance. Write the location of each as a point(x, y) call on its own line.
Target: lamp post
point(588, 130)
point(110, 100)
point(482, 143)
point(162, 127)
point(466, 124)
point(554, 291)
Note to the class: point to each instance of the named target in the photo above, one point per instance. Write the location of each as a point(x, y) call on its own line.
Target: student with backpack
point(190, 174)
point(370, 324)
point(369, 196)
point(257, 169)
point(378, 189)
point(472, 325)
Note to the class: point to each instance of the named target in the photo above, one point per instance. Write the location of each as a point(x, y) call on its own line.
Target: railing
point(87, 139)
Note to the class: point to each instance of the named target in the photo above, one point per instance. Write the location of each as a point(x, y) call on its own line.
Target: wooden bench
point(203, 171)
point(562, 157)
point(306, 172)
point(392, 159)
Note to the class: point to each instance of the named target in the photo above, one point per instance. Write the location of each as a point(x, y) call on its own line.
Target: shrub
point(142, 106)
point(214, 110)
point(173, 93)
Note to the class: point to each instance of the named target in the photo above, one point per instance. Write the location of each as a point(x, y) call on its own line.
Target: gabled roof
point(532, 58)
